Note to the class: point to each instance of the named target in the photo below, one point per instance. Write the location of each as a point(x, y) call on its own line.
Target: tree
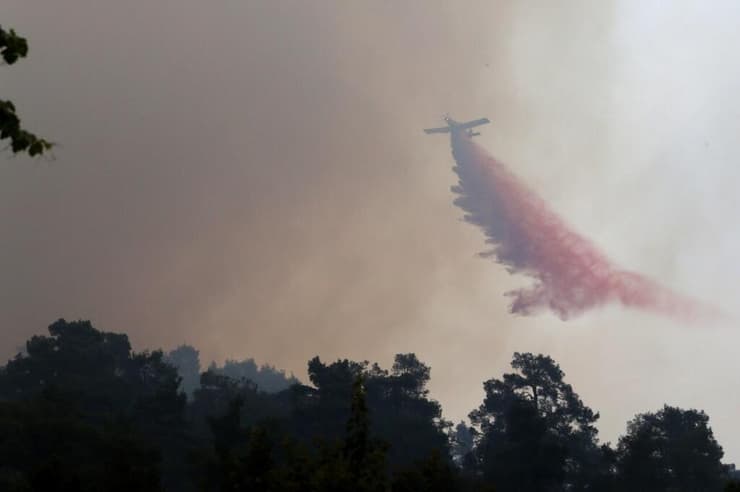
point(462, 440)
point(733, 478)
point(535, 432)
point(109, 383)
point(47, 444)
point(216, 393)
point(365, 456)
point(672, 450)
point(100, 370)
point(403, 414)
point(187, 361)
point(259, 457)
point(323, 410)
point(268, 378)
point(433, 474)
point(12, 48)
point(243, 456)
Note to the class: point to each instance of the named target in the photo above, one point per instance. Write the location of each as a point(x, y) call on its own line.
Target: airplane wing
point(446, 129)
point(471, 124)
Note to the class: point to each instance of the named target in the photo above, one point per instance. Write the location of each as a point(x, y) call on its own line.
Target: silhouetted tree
point(108, 382)
point(243, 457)
point(79, 410)
point(324, 410)
point(403, 415)
point(187, 361)
point(463, 440)
point(536, 433)
point(732, 475)
point(268, 378)
point(12, 48)
point(100, 370)
point(732, 486)
point(216, 392)
point(433, 474)
point(46, 444)
point(257, 458)
point(365, 456)
point(600, 472)
point(671, 450)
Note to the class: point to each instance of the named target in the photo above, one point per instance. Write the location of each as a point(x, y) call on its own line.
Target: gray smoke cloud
point(251, 178)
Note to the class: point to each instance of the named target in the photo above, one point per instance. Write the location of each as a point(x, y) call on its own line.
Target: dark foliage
point(108, 382)
point(100, 372)
point(672, 449)
point(186, 360)
point(79, 410)
point(268, 378)
point(46, 444)
point(403, 415)
point(535, 432)
point(12, 48)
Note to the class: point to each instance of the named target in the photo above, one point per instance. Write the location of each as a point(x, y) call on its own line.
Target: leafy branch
point(12, 48)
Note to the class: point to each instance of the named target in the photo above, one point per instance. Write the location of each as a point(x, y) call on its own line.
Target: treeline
point(79, 410)
point(267, 378)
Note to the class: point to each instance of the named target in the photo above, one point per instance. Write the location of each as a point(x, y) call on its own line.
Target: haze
point(251, 178)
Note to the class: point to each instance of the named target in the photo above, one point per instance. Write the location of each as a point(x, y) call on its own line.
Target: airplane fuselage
point(455, 127)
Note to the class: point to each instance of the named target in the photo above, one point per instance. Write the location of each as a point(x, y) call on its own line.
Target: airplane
point(453, 126)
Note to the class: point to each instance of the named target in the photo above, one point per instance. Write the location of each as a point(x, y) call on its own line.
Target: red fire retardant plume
point(570, 274)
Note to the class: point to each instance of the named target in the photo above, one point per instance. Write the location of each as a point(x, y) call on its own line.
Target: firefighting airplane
point(453, 125)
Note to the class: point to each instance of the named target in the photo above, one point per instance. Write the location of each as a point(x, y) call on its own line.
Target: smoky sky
point(251, 178)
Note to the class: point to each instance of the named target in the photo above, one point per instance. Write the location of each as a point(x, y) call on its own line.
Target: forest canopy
point(80, 409)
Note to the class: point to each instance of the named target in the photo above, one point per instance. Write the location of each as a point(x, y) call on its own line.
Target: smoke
point(255, 182)
point(570, 274)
